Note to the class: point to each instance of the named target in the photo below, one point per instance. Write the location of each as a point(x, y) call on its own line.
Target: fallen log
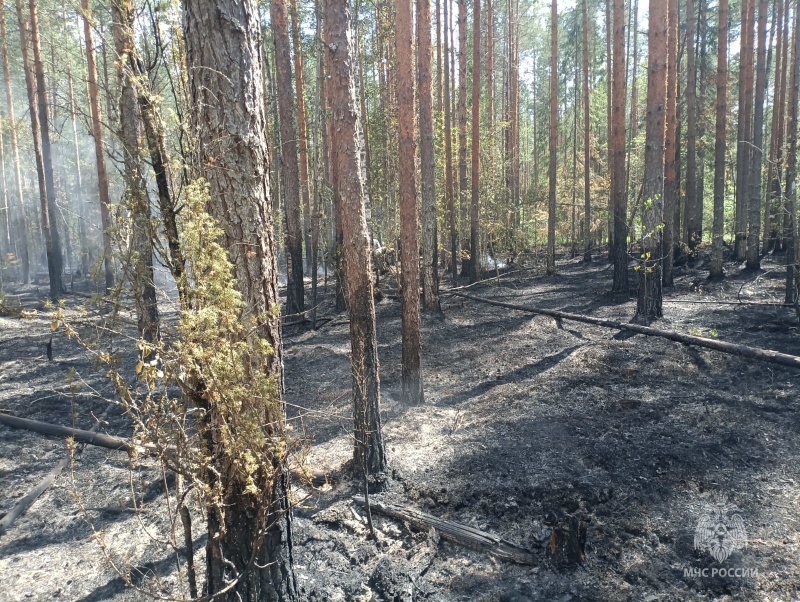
point(765, 355)
point(26, 501)
point(55, 430)
point(317, 478)
point(463, 535)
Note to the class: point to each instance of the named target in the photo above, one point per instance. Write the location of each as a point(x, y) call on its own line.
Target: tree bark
point(648, 305)
point(693, 212)
point(225, 66)
point(290, 177)
point(463, 190)
point(430, 274)
point(302, 132)
point(773, 198)
point(791, 169)
point(610, 133)
point(620, 201)
point(475, 202)
point(99, 150)
point(136, 197)
point(369, 455)
point(720, 145)
point(754, 192)
point(553, 140)
point(19, 221)
point(671, 185)
point(37, 99)
point(587, 200)
point(745, 116)
point(409, 247)
point(448, 148)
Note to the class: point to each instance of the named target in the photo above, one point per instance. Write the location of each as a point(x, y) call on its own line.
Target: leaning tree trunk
point(20, 223)
point(720, 145)
point(136, 198)
point(99, 150)
point(430, 274)
point(225, 65)
point(648, 306)
point(369, 455)
point(49, 227)
point(289, 167)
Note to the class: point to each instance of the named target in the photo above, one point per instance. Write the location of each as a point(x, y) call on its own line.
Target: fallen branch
point(471, 538)
point(766, 355)
point(25, 502)
point(317, 478)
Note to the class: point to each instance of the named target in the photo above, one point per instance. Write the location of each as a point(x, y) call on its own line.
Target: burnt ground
point(524, 425)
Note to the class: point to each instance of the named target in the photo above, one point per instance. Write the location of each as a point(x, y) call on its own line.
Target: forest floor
point(524, 423)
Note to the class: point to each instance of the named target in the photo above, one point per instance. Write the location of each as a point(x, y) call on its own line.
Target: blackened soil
point(525, 425)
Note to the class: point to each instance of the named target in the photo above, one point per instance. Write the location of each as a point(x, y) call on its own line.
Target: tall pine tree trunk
point(225, 67)
point(744, 134)
point(463, 190)
point(475, 201)
point(720, 145)
point(99, 150)
point(671, 188)
point(448, 147)
point(693, 212)
point(136, 198)
point(648, 306)
point(587, 199)
point(369, 456)
point(620, 232)
point(792, 282)
point(290, 177)
point(37, 102)
point(19, 221)
point(553, 141)
point(430, 275)
point(302, 132)
point(754, 192)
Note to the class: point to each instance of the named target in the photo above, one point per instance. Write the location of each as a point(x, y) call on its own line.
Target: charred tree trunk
point(19, 221)
point(791, 168)
point(369, 456)
point(475, 202)
point(37, 100)
point(409, 247)
point(671, 187)
point(587, 209)
point(136, 198)
point(620, 237)
point(754, 192)
point(745, 115)
point(463, 190)
point(648, 306)
point(302, 132)
point(720, 145)
point(430, 274)
point(289, 167)
point(225, 66)
point(99, 150)
point(448, 148)
point(553, 141)
point(693, 213)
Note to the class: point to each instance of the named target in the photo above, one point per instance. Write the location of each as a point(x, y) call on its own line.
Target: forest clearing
point(399, 300)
